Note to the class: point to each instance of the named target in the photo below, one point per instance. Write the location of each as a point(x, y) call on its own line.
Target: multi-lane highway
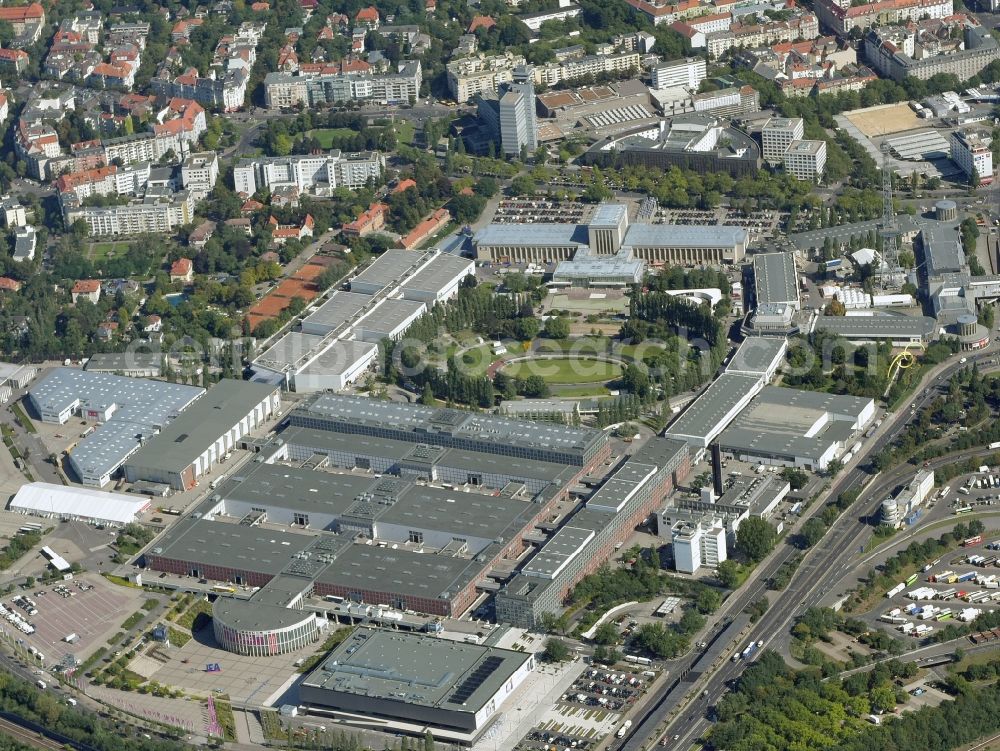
point(823, 566)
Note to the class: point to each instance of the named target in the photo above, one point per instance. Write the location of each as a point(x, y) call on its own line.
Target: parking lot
point(92, 614)
point(520, 211)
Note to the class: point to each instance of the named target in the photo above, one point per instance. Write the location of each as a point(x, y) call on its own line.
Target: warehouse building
point(452, 688)
point(427, 462)
point(439, 279)
point(309, 362)
point(758, 356)
point(775, 281)
point(78, 504)
point(340, 309)
point(131, 364)
point(392, 268)
point(716, 406)
point(806, 429)
point(451, 428)
point(127, 412)
point(192, 444)
point(899, 330)
point(388, 320)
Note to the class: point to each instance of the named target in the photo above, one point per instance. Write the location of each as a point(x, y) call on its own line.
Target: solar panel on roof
point(474, 680)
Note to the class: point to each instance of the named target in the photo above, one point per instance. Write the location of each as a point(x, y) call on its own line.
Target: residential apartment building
point(312, 89)
point(930, 47)
point(841, 16)
point(104, 181)
point(199, 173)
point(802, 26)
point(589, 65)
point(728, 102)
point(160, 210)
point(481, 74)
point(309, 173)
point(688, 73)
point(970, 150)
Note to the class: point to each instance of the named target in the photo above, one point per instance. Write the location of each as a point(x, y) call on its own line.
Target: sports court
point(885, 119)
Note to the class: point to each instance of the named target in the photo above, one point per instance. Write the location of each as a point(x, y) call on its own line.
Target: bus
point(963, 510)
point(911, 580)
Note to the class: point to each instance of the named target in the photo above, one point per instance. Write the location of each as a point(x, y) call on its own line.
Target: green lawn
point(100, 251)
point(326, 136)
point(578, 370)
point(475, 360)
point(404, 131)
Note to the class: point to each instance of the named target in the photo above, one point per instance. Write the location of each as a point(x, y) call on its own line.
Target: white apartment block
point(805, 159)
point(159, 211)
point(777, 135)
point(480, 75)
point(687, 73)
point(592, 65)
point(311, 89)
point(142, 147)
point(970, 150)
point(309, 173)
point(199, 173)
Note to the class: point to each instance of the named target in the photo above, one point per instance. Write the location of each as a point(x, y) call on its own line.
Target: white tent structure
point(84, 504)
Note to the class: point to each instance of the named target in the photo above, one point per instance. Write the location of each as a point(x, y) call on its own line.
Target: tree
point(556, 650)
point(795, 477)
point(428, 396)
point(883, 699)
point(755, 538)
point(557, 328)
point(606, 634)
point(729, 574)
point(428, 741)
point(812, 532)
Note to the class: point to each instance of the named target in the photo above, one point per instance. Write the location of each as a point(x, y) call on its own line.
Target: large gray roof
point(774, 278)
point(704, 417)
point(232, 546)
point(684, 236)
point(877, 326)
point(540, 234)
point(757, 354)
point(417, 669)
point(187, 437)
point(401, 572)
point(390, 315)
point(390, 448)
point(439, 273)
point(943, 251)
point(143, 406)
point(789, 422)
point(390, 267)
point(338, 310)
point(426, 422)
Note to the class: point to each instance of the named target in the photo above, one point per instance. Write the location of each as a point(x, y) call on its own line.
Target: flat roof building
point(128, 411)
point(439, 279)
point(340, 309)
point(788, 427)
point(900, 330)
point(450, 428)
point(131, 364)
point(417, 679)
point(390, 268)
point(714, 409)
point(758, 356)
point(193, 443)
point(775, 280)
point(388, 320)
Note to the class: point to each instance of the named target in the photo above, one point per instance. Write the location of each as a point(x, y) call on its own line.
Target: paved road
point(822, 567)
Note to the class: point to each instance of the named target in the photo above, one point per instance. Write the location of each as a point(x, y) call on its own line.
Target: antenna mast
point(891, 274)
